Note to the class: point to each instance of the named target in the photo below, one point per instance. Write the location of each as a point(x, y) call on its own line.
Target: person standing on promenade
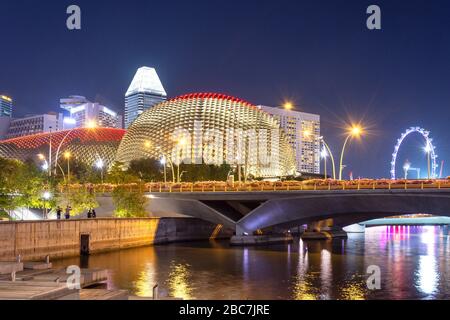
point(58, 213)
point(67, 214)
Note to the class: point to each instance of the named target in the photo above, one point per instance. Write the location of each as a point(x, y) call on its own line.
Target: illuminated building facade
point(84, 113)
point(35, 124)
point(145, 91)
point(85, 145)
point(303, 133)
point(6, 106)
point(213, 129)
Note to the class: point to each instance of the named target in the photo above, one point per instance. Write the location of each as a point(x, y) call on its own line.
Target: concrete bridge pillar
point(323, 229)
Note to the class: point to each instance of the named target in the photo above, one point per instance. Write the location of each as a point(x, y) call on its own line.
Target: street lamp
point(163, 162)
point(327, 148)
point(324, 155)
point(148, 145)
point(99, 165)
point(46, 196)
point(67, 156)
point(44, 160)
point(288, 105)
point(354, 132)
point(181, 143)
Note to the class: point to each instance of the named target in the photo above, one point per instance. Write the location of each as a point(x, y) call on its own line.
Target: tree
point(8, 185)
point(205, 172)
point(128, 203)
point(79, 199)
point(32, 182)
point(119, 175)
point(147, 169)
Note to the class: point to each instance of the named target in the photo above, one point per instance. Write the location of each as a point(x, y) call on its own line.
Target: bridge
point(250, 211)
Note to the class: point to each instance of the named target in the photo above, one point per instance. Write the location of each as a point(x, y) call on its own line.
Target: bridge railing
point(261, 186)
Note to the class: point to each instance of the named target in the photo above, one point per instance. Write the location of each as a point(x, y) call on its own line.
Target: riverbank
point(34, 240)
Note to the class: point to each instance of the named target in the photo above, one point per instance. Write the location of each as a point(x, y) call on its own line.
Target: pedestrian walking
point(94, 214)
point(89, 214)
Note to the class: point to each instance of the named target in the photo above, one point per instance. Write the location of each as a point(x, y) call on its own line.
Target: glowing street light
point(181, 143)
point(67, 156)
point(91, 124)
point(353, 132)
point(42, 158)
point(324, 155)
point(99, 164)
point(288, 105)
point(328, 150)
point(148, 144)
point(46, 196)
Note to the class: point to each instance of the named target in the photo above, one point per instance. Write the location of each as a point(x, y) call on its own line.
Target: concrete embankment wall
point(34, 240)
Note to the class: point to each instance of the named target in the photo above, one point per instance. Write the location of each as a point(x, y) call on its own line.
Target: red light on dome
point(217, 96)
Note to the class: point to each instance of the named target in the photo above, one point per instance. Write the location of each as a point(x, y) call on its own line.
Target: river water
point(413, 263)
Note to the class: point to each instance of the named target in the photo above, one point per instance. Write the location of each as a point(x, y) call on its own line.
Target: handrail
point(186, 187)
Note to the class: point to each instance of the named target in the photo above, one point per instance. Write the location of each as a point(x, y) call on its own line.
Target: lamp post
point(67, 156)
point(324, 155)
point(333, 166)
point(354, 132)
point(99, 165)
point(46, 196)
point(148, 145)
point(181, 144)
point(163, 162)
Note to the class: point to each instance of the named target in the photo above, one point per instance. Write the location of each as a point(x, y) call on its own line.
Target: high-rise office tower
point(145, 91)
point(84, 113)
point(303, 133)
point(35, 124)
point(6, 105)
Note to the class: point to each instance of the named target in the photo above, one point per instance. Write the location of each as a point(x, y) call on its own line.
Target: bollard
point(13, 276)
point(47, 259)
point(155, 292)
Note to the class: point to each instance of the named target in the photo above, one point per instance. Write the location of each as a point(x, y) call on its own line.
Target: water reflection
point(427, 273)
point(179, 281)
point(413, 263)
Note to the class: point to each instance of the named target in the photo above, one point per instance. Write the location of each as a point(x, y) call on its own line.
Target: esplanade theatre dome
point(213, 129)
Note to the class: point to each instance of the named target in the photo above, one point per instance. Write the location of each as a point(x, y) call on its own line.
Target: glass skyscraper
point(5, 106)
point(145, 91)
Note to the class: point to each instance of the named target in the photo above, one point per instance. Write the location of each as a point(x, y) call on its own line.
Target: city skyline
point(343, 73)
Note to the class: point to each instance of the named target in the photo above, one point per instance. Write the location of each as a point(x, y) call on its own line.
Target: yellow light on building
point(7, 98)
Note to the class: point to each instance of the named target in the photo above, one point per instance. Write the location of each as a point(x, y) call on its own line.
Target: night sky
point(317, 53)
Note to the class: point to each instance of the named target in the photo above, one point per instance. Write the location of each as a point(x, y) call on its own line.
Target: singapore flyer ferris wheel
point(429, 148)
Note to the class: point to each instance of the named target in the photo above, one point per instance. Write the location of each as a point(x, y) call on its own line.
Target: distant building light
point(77, 109)
point(68, 120)
point(109, 111)
point(7, 98)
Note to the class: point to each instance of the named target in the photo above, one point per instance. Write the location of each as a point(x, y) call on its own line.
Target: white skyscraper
point(145, 91)
point(303, 132)
point(84, 113)
point(35, 124)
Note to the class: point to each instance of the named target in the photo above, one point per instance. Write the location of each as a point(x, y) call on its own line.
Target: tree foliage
point(79, 199)
point(129, 204)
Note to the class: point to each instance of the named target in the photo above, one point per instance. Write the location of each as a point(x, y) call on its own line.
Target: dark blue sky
point(318, 53)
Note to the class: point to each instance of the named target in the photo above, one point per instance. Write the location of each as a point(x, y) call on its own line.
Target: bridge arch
point(344, 208)
point(426, 135)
